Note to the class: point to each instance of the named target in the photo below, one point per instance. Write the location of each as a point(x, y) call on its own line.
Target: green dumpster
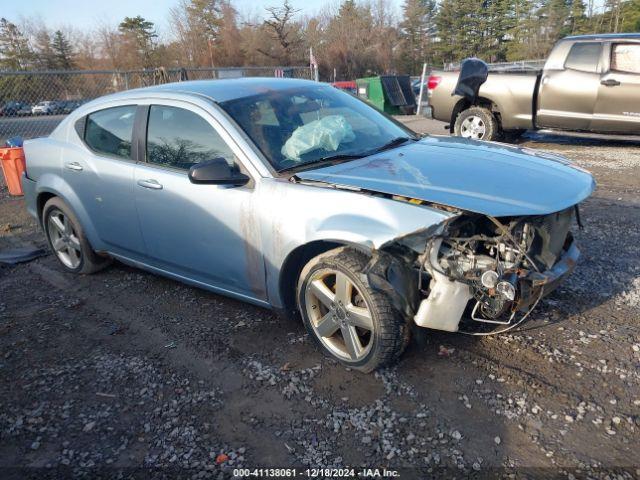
point(391, 94)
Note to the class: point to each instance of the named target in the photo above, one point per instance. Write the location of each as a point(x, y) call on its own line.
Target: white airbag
point(326, 133)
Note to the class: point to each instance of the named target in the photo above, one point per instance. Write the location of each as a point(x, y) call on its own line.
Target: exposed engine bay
point(492, 271)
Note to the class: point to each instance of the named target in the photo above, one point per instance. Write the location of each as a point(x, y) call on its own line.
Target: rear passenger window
point(626, 58)
point(109, 131)
point(179, 138)
point(584, 57)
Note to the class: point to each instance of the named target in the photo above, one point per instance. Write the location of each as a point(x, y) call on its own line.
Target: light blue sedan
point(296, 196)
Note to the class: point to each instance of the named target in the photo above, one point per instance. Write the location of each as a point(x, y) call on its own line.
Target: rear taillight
point(433, 82)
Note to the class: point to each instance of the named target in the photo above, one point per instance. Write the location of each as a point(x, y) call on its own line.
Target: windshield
point(300, 127)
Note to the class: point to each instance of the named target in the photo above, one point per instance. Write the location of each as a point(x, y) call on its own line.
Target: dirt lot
point(123, 370)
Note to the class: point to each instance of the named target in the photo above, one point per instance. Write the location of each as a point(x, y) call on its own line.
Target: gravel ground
point(128, 372)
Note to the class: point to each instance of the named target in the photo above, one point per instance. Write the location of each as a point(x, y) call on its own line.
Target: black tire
point(487, 118)
point(90, 261)
point(391, 333)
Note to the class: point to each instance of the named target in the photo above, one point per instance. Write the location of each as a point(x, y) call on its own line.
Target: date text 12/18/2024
point(315, 473)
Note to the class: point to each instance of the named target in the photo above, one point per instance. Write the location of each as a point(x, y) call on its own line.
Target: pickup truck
point(589, 86)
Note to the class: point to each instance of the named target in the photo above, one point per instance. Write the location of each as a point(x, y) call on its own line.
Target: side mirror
point(216, 172)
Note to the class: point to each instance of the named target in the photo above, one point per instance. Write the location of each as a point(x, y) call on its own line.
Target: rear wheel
point(67, 240)
point(477, 123)
point(350, 321)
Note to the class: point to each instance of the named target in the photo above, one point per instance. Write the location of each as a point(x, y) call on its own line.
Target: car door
point(567, 96)
point(205, 233)
point(618, 106)
point(100, 174)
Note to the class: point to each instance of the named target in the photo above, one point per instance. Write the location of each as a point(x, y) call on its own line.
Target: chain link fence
point(32, 103)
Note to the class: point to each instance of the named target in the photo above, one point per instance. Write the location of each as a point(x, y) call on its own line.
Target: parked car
point(45, 108)
point(67, 106)
point(589, 84)
point(24, 110)
point(296, 196)
point(10, 109)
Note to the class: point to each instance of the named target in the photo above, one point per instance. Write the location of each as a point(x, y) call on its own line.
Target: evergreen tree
point(207, 16)
point(139, 34)
point(15, 53)
point(613, 13)
point(555, 21)
point(62, 52)
point(447, 25)
point(42, 50)
point(469, 28)
point(579, 23)
point(524, 34)
point(416, 31)
point(630, 16)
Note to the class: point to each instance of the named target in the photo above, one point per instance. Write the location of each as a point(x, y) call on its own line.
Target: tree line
point(349, 40)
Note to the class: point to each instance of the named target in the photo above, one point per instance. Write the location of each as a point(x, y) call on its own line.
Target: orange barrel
point(13, 164)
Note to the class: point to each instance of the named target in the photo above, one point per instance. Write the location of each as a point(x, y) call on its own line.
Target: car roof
point(605, 36)
point(221, 90)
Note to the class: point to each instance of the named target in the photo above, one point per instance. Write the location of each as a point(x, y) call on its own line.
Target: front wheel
point(350, 321)
point(477, 123)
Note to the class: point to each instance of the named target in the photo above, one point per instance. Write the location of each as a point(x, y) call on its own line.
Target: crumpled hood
point(483, 177)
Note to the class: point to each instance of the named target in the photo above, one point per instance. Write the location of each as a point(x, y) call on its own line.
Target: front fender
point(297, 215)
point(362, 230)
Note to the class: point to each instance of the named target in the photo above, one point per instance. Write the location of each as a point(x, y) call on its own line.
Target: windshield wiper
point(396, 142)
point(324, 161)
point(339, 157)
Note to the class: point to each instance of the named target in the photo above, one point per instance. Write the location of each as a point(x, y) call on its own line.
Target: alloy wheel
point(473, 127)
point(64, 240)
point(339, 315)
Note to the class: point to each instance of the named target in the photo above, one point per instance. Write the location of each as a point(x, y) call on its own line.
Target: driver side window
point(180, 138)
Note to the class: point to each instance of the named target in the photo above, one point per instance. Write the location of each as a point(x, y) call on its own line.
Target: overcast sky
point(85, 14)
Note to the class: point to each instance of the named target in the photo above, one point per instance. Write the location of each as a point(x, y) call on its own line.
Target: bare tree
point(285, 31)
point(352, 38)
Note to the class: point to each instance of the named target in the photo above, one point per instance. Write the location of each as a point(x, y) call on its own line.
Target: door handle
point(150, 183)
point(73, 166)
point(610, 82)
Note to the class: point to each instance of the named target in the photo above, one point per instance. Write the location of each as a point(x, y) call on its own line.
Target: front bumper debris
point(548, 281)
point(444, 307)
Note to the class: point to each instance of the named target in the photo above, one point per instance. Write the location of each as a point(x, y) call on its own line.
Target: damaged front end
point(476, 269)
